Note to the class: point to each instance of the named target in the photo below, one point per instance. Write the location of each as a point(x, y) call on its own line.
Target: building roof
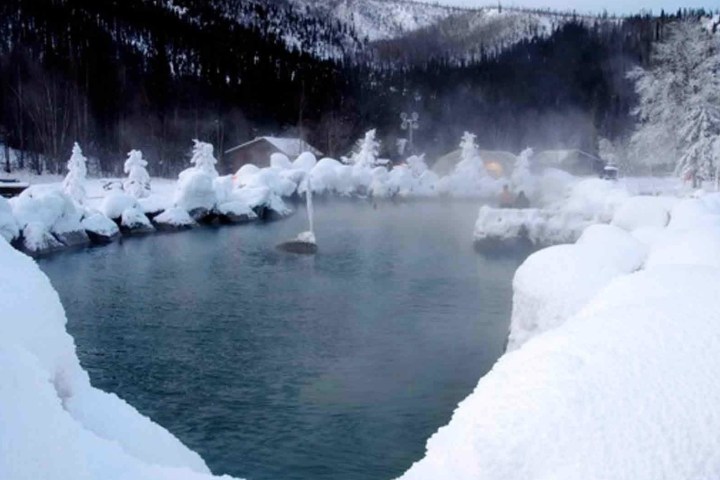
point(292, 147)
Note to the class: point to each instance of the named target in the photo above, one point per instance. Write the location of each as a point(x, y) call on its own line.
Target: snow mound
point(195, 190)
point(625, 390)
point(134, 219)
point(553, 284)
point(306, 161)
point(61, 427)
point(643, 212)
point(280, 161)
point(115, 203)
point(175, 217)
point(100, 225)
point(9, 228)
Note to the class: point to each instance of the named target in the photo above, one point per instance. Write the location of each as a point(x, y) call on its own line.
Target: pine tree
point(138, 182)
point(679, 109)
point(203, 158)
point(521, 177)
point(366, 153)
point(74, 183)
point(470, 160)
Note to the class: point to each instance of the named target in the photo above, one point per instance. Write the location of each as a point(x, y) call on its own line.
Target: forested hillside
point(149, 74)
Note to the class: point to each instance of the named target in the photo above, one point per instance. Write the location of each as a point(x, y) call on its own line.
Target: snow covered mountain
point(471, 34)
point(380, 19)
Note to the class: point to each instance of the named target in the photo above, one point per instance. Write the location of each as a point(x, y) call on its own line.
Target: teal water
point(275, 366)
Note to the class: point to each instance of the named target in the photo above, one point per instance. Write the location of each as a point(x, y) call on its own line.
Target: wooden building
point(258, 151)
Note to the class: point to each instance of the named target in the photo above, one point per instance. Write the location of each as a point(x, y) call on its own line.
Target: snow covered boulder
point(9, 228)
point(555, 283)
point(643, 212)
point(174, 218)
point(36, 240)
point(499, 230)
point(115, 203)
point(50, 212)
point(100, 229)
point(306, 161)
point(195, 194)
point(235, 211)
point(134, 221)
point(280, 161)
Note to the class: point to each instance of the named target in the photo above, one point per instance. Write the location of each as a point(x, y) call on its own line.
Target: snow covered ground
point(611, 369)
point(53, 423)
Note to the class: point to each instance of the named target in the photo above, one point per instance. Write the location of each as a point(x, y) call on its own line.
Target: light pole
point(410, 123)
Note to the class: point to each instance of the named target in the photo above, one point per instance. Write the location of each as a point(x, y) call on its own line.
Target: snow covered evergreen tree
point(366, 153)
point(679, 108)
point(470, 160)
point(521, 177)
point(74, 183)
point(203, 158)
point(138, 182)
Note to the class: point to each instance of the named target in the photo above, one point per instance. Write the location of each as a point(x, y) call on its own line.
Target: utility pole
point(410, 123)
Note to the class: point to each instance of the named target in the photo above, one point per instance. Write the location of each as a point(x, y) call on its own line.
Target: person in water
point(506, 198)
point(522, 200)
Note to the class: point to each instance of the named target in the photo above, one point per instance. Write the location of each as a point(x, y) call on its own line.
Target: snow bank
point(611, 368)
point(195, 190)
point(643, 212)
point(554, 283)
point(53, 423)
point(626, 390)
point(9, 229)
point(116, 202)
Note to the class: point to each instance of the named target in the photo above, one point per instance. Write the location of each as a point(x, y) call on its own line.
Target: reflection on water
point(274, 366)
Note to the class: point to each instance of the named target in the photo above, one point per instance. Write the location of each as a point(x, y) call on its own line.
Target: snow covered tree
point(138, 182)
point(470, 160)
point(679, 107)
point(366, 153)
point(203, 158)
point(521, 177)
point(74, 183)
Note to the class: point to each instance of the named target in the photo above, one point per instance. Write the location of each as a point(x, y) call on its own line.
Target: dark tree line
point(121, 74)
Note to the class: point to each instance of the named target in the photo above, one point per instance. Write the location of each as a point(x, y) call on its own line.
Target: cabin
point(573, 161)
point(258, 151)
point(498, 163)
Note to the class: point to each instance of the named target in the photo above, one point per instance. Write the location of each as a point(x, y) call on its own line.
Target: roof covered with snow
point(292, 147)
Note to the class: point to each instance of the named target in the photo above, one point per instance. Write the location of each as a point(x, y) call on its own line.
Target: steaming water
point(275, 366)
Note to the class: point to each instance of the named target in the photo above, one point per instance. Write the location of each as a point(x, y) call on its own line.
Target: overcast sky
point(582, 6)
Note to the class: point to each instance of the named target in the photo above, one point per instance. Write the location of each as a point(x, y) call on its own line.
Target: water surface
point(275, 366)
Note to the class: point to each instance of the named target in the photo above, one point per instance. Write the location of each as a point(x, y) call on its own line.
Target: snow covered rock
point(8, 225)
point(235, 211)
point(133, 220)
point(48, 212)
point(36, 240)
point(306, 161)
point(115, 203)
point(100, 229)
point(280, 161)
point(195, 192)
point(643, 212)
point(174, 218)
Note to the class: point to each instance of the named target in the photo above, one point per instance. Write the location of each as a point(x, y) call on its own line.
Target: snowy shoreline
point(610, 366)
point(592, 367)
